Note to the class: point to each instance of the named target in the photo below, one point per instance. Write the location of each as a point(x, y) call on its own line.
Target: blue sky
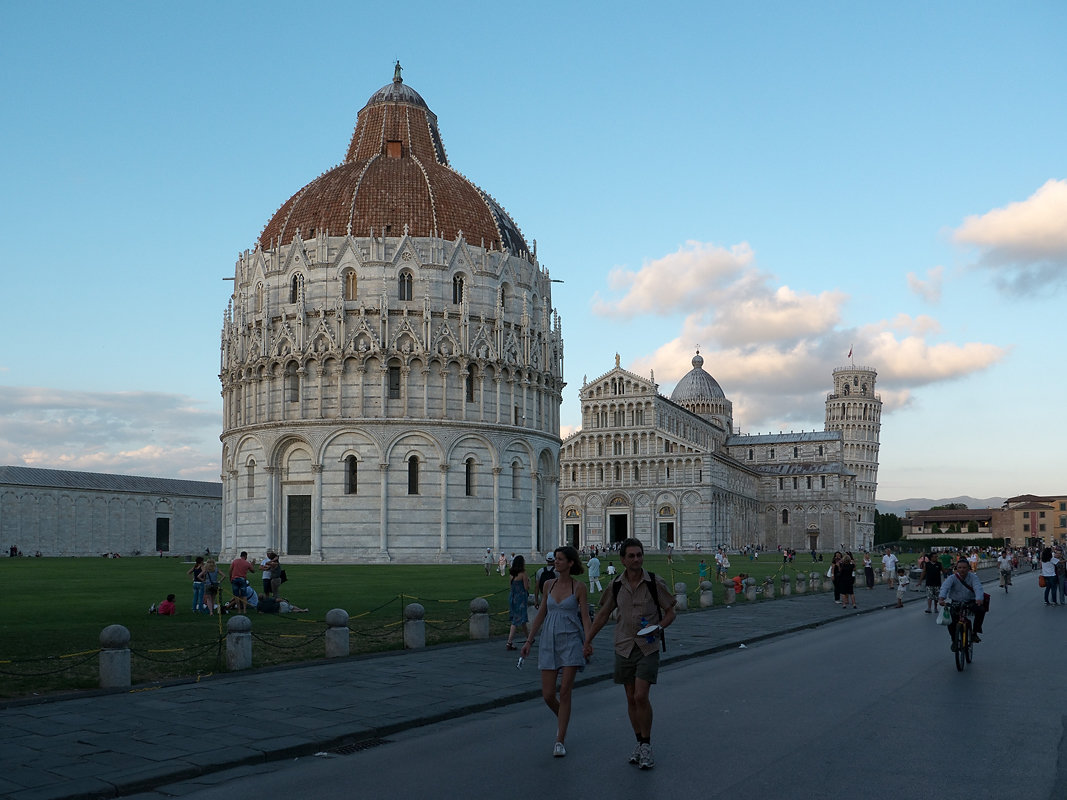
point(774, 182)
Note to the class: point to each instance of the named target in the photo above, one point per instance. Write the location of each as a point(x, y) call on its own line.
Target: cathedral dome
point(395, 177)
point(697, 386)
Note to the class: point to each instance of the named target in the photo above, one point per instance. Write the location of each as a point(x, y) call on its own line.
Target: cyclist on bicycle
point(1007, 564)
point(963, 587)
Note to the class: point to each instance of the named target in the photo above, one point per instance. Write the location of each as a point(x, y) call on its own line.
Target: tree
point(887, 528)
point(949, 507)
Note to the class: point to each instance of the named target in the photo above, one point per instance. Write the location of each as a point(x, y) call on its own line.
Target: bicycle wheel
point(961, 644)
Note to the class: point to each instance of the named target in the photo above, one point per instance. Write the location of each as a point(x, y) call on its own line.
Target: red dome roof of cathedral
point(395, 173)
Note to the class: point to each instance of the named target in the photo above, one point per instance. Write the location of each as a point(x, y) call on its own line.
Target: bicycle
point(963, 640)
point(1005, 579)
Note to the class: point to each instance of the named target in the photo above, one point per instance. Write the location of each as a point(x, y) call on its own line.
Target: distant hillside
point(898, 507)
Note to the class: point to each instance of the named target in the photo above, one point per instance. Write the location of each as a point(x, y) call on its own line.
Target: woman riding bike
point(963, 586)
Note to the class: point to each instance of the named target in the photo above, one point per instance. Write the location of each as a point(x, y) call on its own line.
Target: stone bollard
point(238, 643)
point(681, 599)
point(414, 626)
point(731, 595)
point(707, 599)
point(479, 618)
point(115, 657)
point(802, 583)
point(814, 582)
point(787, 586)
point(337, 633)
point(768, 589)
point(750, 588)
point(827, 584)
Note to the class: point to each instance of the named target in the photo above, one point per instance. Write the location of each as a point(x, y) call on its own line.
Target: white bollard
point(337, 633)
point(707, 598)
point(238, 643)
point(115, 657)
point(681, 599)
point(414, 626)
point(479, 624)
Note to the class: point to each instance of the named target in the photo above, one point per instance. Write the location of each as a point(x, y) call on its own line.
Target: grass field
point(53, 610)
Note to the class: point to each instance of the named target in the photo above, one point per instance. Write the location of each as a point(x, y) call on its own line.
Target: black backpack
point(653, 592)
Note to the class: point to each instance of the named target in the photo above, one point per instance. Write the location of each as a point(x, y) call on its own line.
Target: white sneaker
point(559, 750)
point(646, 761)
point(635, 756)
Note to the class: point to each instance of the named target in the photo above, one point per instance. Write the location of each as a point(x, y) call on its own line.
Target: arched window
point(351, 285)
point(469, 477)
point(457, 289)
point(251, 473)
point(292, 383)
point(796, 452)
point(514, 480)
point(637, 475)
point(351, 475)
point(751, 453)
point(404, 286)
point(294, 289)
point(470, 383)
point(413, 475)
point(259, 298)
point(785, 516)
point(503, 299)
point(618, 473)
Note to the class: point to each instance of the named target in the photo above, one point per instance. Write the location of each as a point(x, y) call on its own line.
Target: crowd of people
point(207, 584)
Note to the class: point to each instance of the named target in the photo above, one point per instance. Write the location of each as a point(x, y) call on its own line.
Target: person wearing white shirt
point(889, 567)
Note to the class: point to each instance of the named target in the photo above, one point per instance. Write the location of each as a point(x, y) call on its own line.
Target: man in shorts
point(636, 657)
point(932, 579)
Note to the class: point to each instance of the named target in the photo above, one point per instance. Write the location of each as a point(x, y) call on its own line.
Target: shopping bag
point(1041, 581)
point(944, 618)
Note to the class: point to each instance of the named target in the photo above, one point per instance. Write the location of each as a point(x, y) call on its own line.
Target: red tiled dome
point(395, 173)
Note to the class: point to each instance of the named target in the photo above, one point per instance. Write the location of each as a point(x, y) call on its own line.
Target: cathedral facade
point(676, 472)
point(392, 364)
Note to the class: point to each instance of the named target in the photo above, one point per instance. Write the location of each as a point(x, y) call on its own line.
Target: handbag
point(944, 618)
point(1041, 581)
point(283, 576)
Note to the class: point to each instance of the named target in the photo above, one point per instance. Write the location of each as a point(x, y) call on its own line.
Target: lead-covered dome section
point(697, 386)
point(395, 173)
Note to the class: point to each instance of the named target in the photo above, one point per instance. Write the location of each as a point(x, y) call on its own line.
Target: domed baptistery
point(391, 364)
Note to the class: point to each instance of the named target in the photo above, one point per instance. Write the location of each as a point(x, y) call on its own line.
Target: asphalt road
point(871, 707)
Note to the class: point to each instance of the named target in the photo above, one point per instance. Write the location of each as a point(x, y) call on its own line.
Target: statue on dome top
point(396, 72)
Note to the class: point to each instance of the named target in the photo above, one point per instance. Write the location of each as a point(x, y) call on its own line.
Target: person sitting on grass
point(242, 602)
point(167, 608)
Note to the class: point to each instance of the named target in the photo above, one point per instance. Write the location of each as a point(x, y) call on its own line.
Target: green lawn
point(53, 610)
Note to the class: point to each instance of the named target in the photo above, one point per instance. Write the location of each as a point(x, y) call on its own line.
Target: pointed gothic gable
point(323, 339)
point(406, 339)
point(482, 345)
point(295, 258)
point(459, 260)
point(363, 339)
point(445, 342)
point(348, 256)
point(512, 349)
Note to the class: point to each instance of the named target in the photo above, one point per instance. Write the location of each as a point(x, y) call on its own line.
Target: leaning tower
point(854, 409)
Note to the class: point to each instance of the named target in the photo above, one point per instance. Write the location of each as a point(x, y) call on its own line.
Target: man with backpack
point(642, 599)
point(545, 574)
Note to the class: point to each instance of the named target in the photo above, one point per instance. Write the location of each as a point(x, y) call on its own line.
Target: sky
point(775, 183)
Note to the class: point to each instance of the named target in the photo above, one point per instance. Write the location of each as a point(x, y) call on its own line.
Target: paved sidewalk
point(119, 743)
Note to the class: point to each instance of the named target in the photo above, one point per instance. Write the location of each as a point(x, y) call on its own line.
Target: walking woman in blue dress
point(565, 618)
point(518, 599)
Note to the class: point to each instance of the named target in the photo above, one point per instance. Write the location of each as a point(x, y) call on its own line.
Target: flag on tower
point(850, 351)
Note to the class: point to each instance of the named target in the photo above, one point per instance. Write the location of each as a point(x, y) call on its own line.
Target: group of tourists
point(207, 581)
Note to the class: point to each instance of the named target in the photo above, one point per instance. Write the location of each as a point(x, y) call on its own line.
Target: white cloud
point(682, 281)
point(781, 384)
point(930, 288)
point(133, 433)
point(1024, 243)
